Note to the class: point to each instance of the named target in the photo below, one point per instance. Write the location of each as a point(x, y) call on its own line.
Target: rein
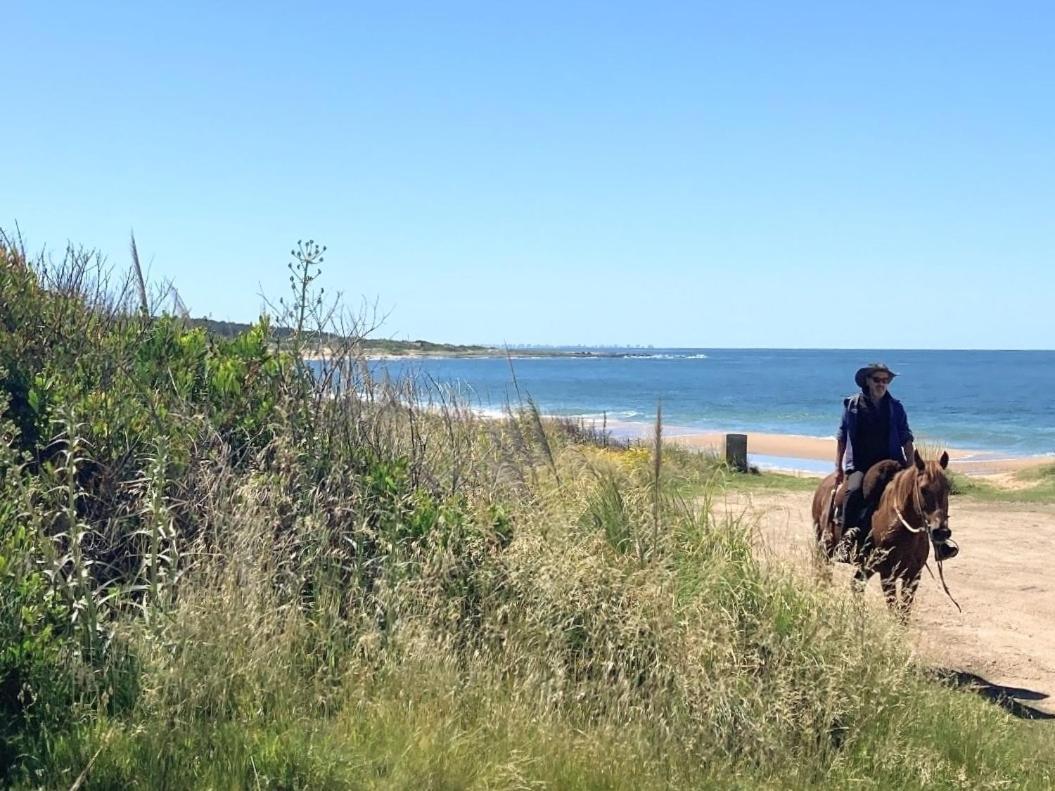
point(917, 504)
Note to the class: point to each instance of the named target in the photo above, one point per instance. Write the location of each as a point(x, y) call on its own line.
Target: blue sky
point(841, 174)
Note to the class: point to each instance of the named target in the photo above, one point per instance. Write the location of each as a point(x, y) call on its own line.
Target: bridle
point(917, 505)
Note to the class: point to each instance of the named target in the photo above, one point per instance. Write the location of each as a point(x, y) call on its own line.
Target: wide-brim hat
point(863, 373)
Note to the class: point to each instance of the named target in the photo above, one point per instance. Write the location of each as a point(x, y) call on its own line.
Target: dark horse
point(909, 507)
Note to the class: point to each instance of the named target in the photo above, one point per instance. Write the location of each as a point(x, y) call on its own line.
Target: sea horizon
point(624, 346)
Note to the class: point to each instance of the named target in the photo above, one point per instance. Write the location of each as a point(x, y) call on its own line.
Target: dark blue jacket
point(899, 430)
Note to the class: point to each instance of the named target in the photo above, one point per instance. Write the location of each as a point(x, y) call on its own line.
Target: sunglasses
point(880, 380)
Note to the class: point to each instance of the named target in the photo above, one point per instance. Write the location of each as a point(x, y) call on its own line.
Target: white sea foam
point(665, 356)
point(609, 415)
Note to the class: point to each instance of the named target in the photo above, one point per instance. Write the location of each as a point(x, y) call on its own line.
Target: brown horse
point(828, 500)
point(911, 510)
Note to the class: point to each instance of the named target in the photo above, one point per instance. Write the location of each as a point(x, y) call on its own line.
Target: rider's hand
point(840, 473)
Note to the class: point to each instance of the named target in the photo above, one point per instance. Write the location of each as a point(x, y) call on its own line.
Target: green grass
point(767, 480)
point(746, 678)
point(751, 680)
point(449, 734)
point(1035, 485)
point(693, 472)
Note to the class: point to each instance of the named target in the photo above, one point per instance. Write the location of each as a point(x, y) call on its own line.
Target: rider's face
point(877, 384)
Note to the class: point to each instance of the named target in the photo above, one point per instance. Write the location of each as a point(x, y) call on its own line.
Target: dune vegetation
point(1035, 484)
point(221, 567)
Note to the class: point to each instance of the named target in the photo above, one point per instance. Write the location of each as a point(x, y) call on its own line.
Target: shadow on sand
point(1008, 698)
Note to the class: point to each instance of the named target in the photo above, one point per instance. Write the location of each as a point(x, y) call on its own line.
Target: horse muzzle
point(942, 532)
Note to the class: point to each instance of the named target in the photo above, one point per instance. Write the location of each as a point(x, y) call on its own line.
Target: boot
point(946, 550)
point(944, 547)
point(849, 544)
point(846, 549)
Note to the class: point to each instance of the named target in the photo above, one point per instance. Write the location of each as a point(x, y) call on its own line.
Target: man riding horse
point(874, 428)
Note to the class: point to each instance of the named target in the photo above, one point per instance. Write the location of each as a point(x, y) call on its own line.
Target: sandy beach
point(823, 449)
point(819, 452)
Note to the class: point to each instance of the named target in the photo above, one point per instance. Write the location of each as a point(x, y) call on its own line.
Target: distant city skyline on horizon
point(653, 346)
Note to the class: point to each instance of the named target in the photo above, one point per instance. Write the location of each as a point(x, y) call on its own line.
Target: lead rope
point(916, 502)
point(945, 587)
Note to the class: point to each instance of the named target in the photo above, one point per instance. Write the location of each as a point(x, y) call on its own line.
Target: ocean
point(997, 402)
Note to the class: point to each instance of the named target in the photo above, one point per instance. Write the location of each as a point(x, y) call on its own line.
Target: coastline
point(411, 352)
point(791, 453)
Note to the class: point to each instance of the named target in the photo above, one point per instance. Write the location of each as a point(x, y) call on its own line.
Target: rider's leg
point(854, 501)
point(851, 515)
point(865, 524)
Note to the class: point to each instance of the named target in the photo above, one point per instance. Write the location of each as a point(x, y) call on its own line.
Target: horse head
point(930, 496)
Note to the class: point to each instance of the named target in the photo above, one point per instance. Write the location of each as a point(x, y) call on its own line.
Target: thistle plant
point(306, 302)
point(160, 559)
point(70, 569)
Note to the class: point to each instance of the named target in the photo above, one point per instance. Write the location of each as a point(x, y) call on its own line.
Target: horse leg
point(908, 594)
point(860, 579)
point(822, 565)
point(889, 585)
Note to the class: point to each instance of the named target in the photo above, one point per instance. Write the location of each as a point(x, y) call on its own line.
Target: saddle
point(875, 481)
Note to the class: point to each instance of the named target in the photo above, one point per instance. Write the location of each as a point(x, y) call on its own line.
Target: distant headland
point(387, 347)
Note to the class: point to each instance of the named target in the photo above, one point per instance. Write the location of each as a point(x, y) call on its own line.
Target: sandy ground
point(1002, 580)
point(970, 462)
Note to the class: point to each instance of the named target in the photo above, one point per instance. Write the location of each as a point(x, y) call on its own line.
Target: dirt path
point(1002, 580)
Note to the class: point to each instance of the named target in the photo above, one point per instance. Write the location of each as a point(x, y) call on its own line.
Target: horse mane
point(905, 479)
point(900, 487)
point(904, 482)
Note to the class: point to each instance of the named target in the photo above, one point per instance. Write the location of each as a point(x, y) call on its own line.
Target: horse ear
point(918, 460)
point(944, 460)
